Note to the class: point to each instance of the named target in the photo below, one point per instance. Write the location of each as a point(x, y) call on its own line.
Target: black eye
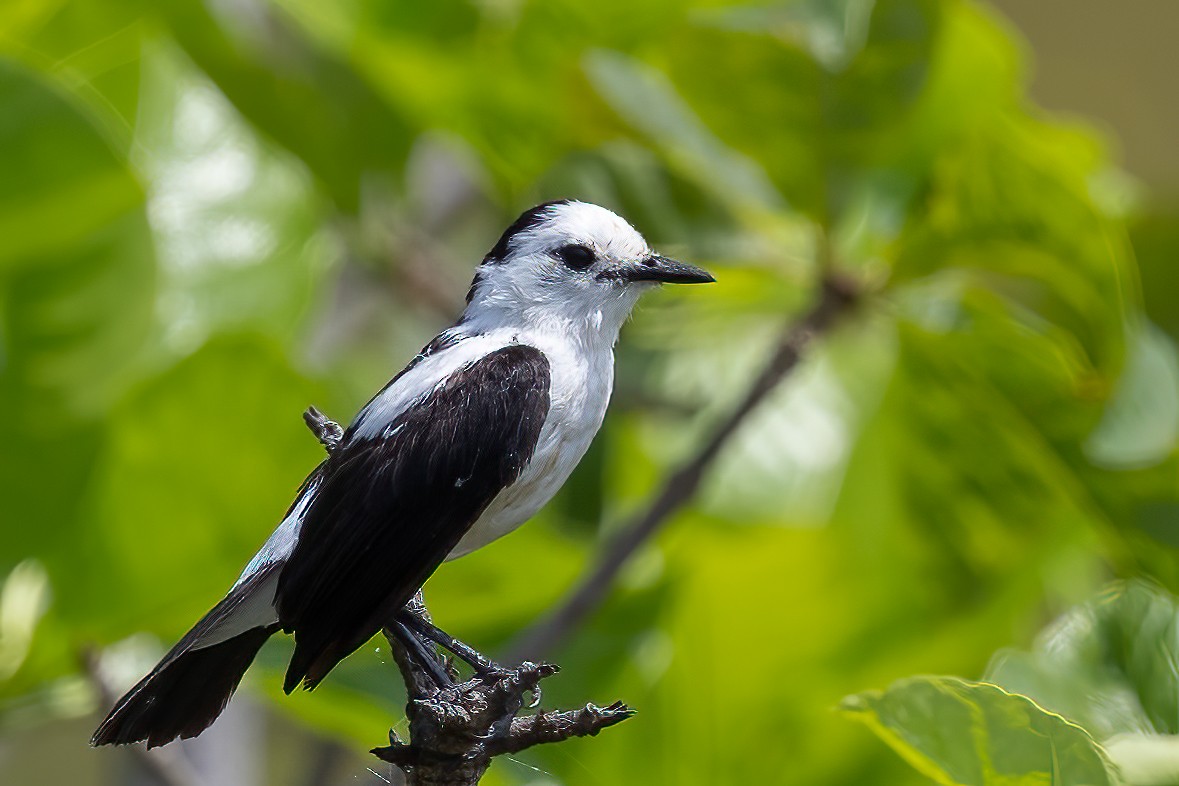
point(575, 256)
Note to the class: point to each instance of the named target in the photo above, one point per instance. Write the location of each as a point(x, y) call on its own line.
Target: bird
point(467, 442)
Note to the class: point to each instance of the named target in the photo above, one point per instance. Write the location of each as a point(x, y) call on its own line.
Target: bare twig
point(837, 296)
point(555, 726)
point(167, 765)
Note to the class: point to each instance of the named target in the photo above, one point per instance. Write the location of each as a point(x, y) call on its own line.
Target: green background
point(215, 214)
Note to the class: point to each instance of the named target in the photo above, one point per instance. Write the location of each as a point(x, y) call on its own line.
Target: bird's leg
point(416, 618)
point(419, 652)
point(464, 652)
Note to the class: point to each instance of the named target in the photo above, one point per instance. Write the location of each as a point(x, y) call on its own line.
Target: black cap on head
point(530, 218)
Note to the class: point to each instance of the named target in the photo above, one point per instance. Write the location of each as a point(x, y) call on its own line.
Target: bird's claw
point(536, 697)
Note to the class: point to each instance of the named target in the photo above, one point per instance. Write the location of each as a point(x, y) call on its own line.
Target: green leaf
point(963, 733)
point(23, 600)
point(645, 98)
point(62, 182)
point(77, 285)
point(236, 218)
point(1110, 663)
point(91, 49)
point(273, 72)
point(823, 100)
point(1141, 425)
point(833, 32)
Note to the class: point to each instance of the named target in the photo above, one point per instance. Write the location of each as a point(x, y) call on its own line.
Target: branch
point(837, 297)
point(555, 726)
point(456, 731)
point(328, 432)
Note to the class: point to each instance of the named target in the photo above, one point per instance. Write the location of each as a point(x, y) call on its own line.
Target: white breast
point(581, 379)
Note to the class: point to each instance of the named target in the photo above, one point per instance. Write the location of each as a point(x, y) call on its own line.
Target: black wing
point(389, 509)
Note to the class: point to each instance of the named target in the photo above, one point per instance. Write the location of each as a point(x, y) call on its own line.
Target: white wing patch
point(421, 379)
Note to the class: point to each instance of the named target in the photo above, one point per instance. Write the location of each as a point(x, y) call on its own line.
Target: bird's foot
point(467, 724)
point(415, 619)
point(461, 726)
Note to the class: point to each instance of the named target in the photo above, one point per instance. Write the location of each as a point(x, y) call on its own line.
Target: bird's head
point(569, 263)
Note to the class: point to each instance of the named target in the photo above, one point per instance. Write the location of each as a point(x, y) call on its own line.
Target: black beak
point(662, 269)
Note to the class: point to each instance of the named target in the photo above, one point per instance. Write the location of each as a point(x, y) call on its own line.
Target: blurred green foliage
point(215, 214)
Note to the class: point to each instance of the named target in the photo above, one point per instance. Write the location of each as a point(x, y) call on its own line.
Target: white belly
point(579, 391)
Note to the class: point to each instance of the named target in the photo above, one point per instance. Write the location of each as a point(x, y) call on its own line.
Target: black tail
point(191, 685)
point(184, 694)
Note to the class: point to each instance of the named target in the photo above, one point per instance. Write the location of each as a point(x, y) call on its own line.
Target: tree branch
point(837, 296)
point(456, 731)
point(328, 432)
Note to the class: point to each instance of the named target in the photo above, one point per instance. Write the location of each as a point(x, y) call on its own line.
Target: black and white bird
point(467, 442)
